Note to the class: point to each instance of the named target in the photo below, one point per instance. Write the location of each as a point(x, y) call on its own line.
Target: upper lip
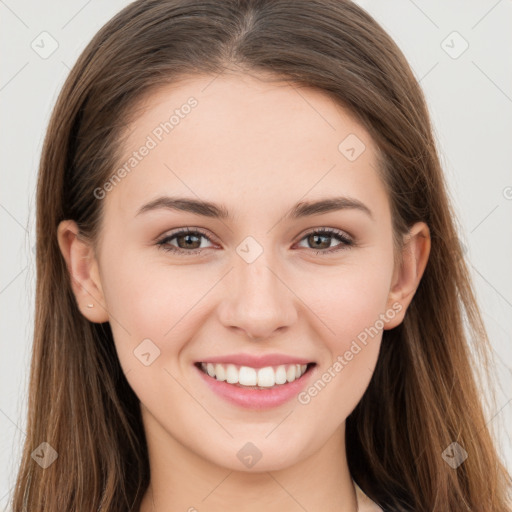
point(256, 361)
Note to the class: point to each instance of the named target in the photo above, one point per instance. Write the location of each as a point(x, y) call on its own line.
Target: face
point(270, 284)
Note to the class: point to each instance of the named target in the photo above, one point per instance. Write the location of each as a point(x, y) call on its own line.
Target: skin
point(257, 148)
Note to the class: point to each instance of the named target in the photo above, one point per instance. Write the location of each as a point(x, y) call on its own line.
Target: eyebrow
point(217, 211)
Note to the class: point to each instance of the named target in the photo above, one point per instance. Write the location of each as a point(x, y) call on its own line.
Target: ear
point(83, 269)
point(407, 276)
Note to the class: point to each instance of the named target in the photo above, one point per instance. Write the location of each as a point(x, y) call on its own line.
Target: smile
point(255, 388)
point(254, 378)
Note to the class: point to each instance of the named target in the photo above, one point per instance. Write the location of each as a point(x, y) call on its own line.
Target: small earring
point(90, 305)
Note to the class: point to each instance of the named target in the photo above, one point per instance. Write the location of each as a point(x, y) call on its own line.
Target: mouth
point(247, 377)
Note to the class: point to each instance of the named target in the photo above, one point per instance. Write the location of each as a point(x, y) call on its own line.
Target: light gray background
point(469, 96)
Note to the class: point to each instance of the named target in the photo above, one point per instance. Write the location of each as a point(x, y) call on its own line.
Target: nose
point(257, 301)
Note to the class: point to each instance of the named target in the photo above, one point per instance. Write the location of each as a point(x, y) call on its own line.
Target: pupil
point(316, 237)
point(188, 239)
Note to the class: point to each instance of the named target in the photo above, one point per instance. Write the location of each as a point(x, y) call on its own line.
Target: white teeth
point(280, 375)
point(266, 377)
point(231, 374)
point(247, 376)
point(220, 372)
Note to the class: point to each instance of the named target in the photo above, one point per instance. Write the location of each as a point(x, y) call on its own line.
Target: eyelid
point(208, 235)
point(334, 231)
point(347, 240)
point(186, 229)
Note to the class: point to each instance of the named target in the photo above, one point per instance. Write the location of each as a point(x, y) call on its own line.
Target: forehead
point(269, 141)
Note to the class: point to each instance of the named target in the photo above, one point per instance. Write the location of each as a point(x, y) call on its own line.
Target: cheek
point(154, 313)
point(149, 300)
point(349, 300)
point(351, 307)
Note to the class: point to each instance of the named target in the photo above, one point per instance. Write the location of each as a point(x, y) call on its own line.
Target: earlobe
point(407, 277)
point(83, 271)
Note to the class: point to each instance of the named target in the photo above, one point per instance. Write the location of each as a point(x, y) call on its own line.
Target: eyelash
point(347, 243)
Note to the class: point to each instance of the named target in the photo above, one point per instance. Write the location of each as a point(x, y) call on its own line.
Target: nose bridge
point(258, 301)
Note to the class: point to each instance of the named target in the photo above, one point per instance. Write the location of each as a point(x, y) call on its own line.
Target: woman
point(264, 367)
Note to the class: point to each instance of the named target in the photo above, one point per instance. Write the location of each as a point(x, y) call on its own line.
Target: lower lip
point(257, 398)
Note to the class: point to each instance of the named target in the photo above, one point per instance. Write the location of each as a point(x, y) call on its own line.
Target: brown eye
point(321, 240)
point(188, 241)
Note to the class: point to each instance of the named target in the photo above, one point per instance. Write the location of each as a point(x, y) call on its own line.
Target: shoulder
point(365, 504)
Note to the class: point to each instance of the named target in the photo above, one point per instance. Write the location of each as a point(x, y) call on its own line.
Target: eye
point(189, 241)
point(318, 237)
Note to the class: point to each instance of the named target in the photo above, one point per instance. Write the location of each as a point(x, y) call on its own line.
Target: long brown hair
point(425, 392)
